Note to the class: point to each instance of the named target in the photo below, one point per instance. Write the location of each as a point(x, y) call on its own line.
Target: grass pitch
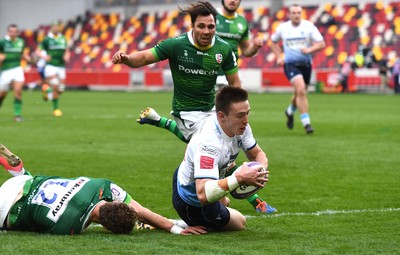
point(337, 190)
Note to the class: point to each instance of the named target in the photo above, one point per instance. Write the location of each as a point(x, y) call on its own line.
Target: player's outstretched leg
point(11, 162)
point(151, 117)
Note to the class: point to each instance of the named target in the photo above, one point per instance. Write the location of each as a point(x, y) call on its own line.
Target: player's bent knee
point(236, 222)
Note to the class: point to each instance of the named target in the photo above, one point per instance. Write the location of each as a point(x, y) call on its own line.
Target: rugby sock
point(291, 109)
point(172, 127)
point(230, 172)
point(305, 119)
point(55, 103)
point(1, 100)
point(254, 200)
point(17, 107)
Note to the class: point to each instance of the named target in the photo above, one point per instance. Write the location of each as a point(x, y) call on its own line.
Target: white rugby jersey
point(208, 155)
point(295, 38)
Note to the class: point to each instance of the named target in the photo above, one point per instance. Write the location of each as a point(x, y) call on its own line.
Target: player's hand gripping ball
point(244, 190)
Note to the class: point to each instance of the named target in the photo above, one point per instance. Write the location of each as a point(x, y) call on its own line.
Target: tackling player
point(67, 206)
point(195, 60)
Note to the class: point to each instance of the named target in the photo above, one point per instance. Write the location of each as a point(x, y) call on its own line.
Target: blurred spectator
point(345, 71)
point(383, 73)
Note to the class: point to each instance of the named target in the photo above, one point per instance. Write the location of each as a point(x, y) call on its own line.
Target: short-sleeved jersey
point(208, 155)
point(195, 70)
point(62, 206)
point(13, 50)
point(295, 38)
point(232, 29)
point(55, 46)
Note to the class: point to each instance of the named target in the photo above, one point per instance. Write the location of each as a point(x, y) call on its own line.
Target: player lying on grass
point(56, 205)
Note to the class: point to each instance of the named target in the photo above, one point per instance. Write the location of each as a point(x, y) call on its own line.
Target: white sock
point(291, 109)
point(17, 173)
point(305, 119)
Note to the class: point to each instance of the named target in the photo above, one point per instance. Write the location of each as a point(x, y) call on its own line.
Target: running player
point(300, 39)
point(57, 55)
point(12, 49)
point(234, 29)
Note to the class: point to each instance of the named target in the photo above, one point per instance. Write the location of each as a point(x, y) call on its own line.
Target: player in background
point(199, 183)
point(67, 206)
point(40, 63)
point(234, 29)
point(58, 54)
point(12, 50)
point(300, 40)
point(194, 69)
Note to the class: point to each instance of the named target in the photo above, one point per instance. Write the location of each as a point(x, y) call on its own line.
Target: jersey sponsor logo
point(218, 57)
point(209, 151)
point(206, 162)
point(185, 57)
point(197, 71)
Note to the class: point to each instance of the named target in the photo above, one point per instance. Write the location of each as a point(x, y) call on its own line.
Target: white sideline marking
point(328, 212)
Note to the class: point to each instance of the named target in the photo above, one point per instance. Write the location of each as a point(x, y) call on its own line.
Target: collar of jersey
point(220, 130)
point(190, 36)
point(220, 12)
point(51, 35)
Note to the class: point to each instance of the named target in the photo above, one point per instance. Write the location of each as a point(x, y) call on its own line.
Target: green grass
point(337, 190)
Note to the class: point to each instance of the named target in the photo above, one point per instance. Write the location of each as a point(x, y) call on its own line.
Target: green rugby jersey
point(194, 70)
point(13, 51)
point(232, 29)
point(61, 206)
point(55, 46)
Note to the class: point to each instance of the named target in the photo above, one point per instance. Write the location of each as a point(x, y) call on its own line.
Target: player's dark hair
point(199, 9)
point(118, 218)
point(229, 95)
point(12, 26)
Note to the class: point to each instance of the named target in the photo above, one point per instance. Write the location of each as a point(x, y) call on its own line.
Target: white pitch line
point(328, 212)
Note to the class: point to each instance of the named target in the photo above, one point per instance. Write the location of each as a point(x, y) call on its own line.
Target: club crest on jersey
point(218, 57)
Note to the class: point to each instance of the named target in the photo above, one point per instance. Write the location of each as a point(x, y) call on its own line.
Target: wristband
point(232, 182)
point(176, 230)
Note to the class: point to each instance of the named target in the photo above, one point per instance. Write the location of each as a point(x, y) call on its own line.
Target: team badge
point(218, 57)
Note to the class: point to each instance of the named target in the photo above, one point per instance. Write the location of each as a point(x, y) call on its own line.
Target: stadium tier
point(344, 27)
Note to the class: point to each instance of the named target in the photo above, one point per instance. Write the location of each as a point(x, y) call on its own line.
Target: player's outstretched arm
point(135, 59)
point(147, 216)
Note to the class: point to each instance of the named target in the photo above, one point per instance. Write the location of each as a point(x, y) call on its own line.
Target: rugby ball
point(244, 190)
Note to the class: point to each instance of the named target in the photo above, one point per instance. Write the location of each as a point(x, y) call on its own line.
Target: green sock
point(230, 172)
point(171, 126)
point(17, 107)
point(55, 103)
point(254, 200)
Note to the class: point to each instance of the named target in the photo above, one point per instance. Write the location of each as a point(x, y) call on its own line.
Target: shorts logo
point(218, 57)
point(206, 162)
